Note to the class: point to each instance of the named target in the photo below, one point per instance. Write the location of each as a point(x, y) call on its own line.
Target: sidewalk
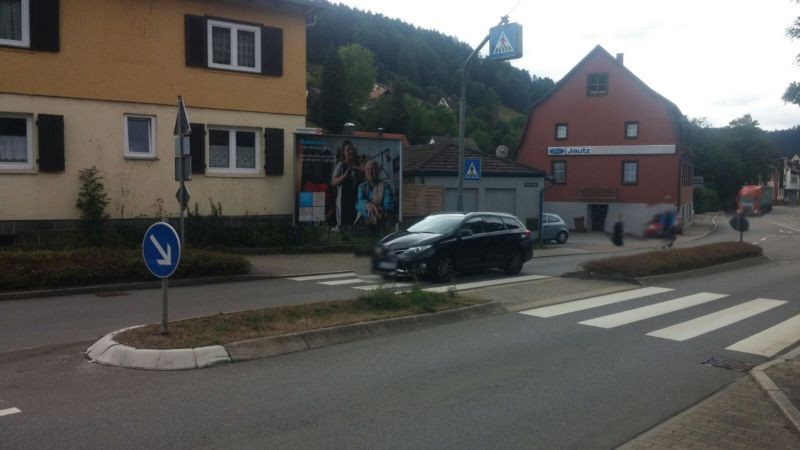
point(757, 412)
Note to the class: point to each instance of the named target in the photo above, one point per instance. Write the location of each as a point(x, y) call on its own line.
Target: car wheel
point(562, 237)
point(514, 266)
point(445, 268)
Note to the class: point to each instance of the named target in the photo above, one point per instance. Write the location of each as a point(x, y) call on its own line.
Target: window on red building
point(631, 130)
point(630, 172)
point(597, 84)
point(561, 131)
point(559, 171)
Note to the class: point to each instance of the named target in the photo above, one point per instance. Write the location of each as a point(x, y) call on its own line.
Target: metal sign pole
point(183, 203)
point(164, 302)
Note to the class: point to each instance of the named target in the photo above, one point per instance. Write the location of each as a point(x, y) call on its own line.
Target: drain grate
point(112, 294)
point(729, 364)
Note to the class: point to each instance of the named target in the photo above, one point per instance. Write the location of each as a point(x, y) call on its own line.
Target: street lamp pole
point(462, 112)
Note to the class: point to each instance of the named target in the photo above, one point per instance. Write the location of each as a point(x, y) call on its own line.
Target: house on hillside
point(613, 146)
point(430, 183)
point(95, 82)
point(790, 177)
point(443, 103)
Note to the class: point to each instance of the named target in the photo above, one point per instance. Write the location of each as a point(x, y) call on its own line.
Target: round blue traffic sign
point(161, 249)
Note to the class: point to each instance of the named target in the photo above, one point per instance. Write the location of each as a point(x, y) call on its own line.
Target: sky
point(715, 59)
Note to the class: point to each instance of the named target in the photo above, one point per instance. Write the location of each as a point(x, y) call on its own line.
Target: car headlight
point(416, 250)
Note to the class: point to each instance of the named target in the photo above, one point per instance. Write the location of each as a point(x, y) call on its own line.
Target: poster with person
point(344, 181)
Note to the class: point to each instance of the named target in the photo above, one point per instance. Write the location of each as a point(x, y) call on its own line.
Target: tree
point(333, 100)
point(359, 74)
point(92, 201)
point(792, 93)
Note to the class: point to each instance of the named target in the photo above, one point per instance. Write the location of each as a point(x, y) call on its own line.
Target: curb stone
point(775, 394)
point(108, 352)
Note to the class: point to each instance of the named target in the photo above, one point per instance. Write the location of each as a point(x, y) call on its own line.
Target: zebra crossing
point(765, 343)
point(370, 283)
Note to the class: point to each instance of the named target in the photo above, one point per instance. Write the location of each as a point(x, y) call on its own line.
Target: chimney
point(349, 129)
point(621, 58)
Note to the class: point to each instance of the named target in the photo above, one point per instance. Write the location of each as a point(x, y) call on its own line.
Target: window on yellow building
point(234, 46)
point(15, 23)
point(140, 140)
point(15, 142)
point(233, 150)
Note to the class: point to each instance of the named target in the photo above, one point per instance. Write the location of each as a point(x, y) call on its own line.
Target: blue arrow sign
point(161, 249)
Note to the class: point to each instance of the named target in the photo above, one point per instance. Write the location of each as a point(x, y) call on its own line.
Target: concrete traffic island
point(109, 352)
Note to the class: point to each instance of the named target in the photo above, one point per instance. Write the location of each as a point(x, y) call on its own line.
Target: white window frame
point(634, 172)
point(137, 155)
point(26, 28)
point(234, 27)
point(628, 126)
point(232, 169)
point(559, 128)
point(29, 143)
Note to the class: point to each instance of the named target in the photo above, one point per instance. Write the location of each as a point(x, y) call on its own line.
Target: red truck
point(754, 200)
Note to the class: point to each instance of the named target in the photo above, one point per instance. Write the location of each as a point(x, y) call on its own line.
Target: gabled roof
point(442, 159)
point(599, 51)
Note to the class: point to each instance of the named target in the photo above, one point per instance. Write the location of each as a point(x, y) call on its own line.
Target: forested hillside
point(421, 67)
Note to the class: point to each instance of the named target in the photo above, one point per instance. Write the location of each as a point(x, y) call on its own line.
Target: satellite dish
point(501, 151)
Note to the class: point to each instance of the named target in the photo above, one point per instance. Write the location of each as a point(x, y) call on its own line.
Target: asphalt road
point(510, 380)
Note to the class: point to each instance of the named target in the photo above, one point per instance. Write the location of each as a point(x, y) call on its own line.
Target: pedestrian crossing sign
point(472, 170)
point(505, 42)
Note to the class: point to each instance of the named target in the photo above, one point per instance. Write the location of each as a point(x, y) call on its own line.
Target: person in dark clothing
point(346, 178)
point(619, 231)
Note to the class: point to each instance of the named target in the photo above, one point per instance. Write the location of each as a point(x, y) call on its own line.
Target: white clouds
point(718, 59)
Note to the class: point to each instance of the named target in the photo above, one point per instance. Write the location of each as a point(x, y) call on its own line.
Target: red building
point(613, 146)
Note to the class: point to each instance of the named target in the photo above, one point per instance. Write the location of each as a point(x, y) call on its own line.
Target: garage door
point(470, 199)
point(501, 200)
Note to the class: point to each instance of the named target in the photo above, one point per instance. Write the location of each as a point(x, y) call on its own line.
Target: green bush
point(706, 200)
point(90, 266)
point(671, 261)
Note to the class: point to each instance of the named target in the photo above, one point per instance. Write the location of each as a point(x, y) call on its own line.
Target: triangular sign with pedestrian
point(472, 172)
point(503, 45)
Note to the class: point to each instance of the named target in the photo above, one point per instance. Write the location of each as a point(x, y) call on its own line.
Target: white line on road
point(784, 226)
point(372, 287)
point(9, 411)
point(646, 312)
point(480, 284)
point(341, 282)
point(594, 302)
point(781, 231)
point(324, 277)
point(763, 239)
point(772, 340)
point(714, 321)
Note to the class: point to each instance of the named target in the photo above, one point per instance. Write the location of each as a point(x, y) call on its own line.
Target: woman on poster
point(346, 177)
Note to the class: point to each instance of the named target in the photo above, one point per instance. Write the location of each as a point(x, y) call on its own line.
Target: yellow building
point(95, 82)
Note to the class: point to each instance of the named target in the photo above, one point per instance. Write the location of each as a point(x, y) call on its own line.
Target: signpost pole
point(164, 302)
point(182, 187)
point(462, 113)
point(739, 226)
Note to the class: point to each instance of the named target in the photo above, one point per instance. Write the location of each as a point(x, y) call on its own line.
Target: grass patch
point(661, 262)
point(222, 329)
point(44, 269)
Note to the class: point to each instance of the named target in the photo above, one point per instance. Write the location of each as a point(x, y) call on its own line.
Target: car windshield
point(439, 224)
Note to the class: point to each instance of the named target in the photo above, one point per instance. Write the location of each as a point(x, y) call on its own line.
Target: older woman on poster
point(375, 198)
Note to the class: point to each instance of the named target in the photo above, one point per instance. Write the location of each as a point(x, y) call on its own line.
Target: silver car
point(554, 229)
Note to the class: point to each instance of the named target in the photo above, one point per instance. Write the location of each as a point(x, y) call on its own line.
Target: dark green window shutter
point(197, 145)
point(272, 51)
point(196, 38)
point(44, 25)
point(51, 142)
point(273, 151)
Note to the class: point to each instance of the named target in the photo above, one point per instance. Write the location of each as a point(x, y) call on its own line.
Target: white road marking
point(594, 302)
point(324, 277)
point(784, 226)
point(772, 340)
point(646, 312)
point(341, 282)
point(372, 287)
point(781, 231)
point(755, 243)
point(479, 284)
point(9, 411)
point(714, 321)
point(763, 239)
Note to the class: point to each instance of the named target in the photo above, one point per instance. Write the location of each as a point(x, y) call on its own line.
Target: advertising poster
point(347, 180)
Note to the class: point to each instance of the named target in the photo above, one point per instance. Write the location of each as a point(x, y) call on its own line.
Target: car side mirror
point(465, 232)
